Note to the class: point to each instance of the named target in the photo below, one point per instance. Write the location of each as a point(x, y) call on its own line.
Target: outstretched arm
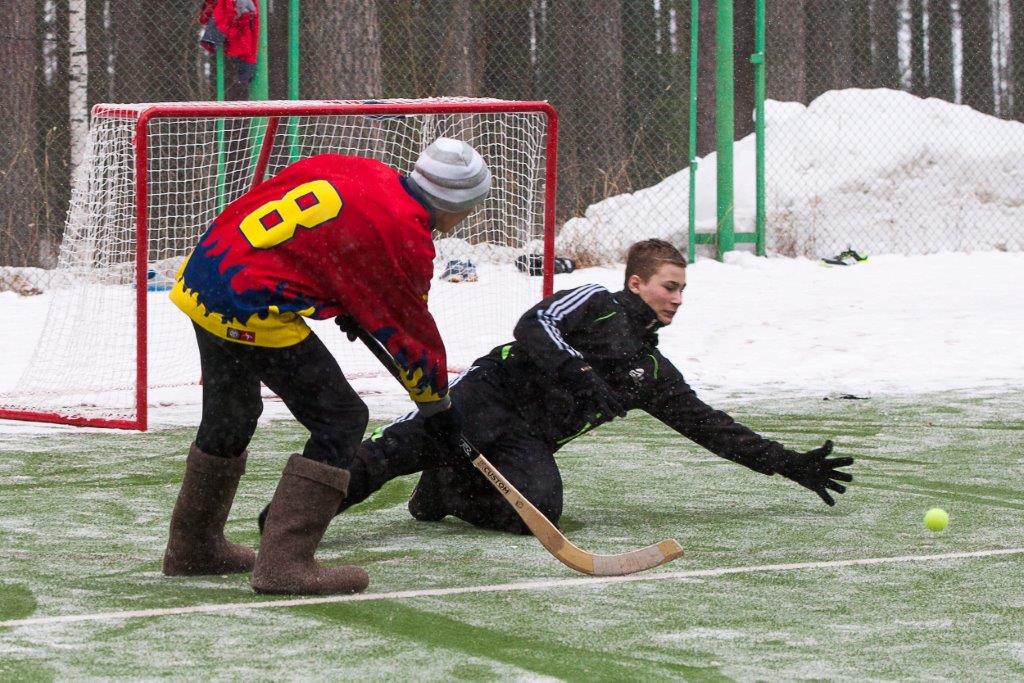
point(678, 406)
point(816, 471)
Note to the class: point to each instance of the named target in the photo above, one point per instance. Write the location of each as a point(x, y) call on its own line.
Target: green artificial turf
point(84, 514)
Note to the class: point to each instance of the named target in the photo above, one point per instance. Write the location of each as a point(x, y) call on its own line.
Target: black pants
point(305, 376)
point(491, 425)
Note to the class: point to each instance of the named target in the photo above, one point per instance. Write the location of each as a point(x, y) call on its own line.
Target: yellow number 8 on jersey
point(306, 206)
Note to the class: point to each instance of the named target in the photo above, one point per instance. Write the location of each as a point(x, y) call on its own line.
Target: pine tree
point(978, 85)
point(918, 81)
point(940, 50)
point(786, 62)
point(885, 60)
point(341, 50)
point(1017, 57)
point(827, 46)
point(23, 235)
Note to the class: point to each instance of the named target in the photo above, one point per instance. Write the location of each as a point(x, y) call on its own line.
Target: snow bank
point(882, 171)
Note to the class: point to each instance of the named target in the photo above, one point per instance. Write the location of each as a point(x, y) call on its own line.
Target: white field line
point(503, 587)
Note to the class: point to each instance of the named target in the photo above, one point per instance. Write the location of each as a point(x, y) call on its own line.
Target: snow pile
point(880, 170)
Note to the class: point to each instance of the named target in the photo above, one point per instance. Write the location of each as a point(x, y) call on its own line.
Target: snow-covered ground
point(751, 328)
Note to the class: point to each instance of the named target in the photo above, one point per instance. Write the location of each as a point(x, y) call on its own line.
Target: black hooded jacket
point(617, 334)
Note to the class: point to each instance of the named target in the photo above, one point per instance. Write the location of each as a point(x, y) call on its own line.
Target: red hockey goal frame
point(273, 111)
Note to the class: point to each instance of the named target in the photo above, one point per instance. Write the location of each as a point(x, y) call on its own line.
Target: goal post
point(110, 344)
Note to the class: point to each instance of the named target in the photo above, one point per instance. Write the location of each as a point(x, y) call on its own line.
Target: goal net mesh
point(85, 362)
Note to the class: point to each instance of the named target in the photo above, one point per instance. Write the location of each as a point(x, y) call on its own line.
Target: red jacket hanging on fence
point(328, 235)
point(238, 21)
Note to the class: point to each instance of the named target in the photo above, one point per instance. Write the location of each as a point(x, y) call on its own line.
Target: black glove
point(348, 325)
point(593, 393)
point(445, 428)
point(815, 471)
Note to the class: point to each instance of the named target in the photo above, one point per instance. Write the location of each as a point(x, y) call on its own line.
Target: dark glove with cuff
point(347, 324)
point(814, 470)
point(592, 393)
point(445, 428)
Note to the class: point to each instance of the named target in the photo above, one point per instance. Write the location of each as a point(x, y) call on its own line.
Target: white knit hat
point(452, 175)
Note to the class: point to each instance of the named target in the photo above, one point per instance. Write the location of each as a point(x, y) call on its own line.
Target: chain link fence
point(912, 141)
point(893, 125)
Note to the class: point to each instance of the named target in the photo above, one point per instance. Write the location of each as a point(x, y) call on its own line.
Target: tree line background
point(616, 70)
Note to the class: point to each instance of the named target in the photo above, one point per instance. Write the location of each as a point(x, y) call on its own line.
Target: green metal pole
point(221, 162)
point(293, 49)
point(724, 124)
point(759, 86)
point(692, 218)
point(220, 73)
point(259, 88)
point(293, 75)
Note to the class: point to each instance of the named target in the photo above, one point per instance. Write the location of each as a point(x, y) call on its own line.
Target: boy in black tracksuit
point(580, 358)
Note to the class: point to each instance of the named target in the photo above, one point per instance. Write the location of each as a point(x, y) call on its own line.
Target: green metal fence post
point(259, 88)
point(293, 75)
point(293, 49)
point(724, 125)
point(221, 161)
point(692, 217)
point(759, 85)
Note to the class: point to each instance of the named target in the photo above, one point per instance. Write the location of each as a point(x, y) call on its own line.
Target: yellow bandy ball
point(936, 519)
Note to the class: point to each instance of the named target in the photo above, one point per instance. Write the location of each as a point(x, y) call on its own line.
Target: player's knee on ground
point(544, 488)
point(546, 497)
point(507, 519)
point(492, 511)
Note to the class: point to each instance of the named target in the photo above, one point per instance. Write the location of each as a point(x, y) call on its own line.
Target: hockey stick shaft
point(542, 528)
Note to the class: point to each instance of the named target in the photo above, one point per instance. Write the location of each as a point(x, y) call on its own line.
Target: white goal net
point(110, 340)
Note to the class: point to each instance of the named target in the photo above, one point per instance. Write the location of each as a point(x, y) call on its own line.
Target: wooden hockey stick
point(547, 533)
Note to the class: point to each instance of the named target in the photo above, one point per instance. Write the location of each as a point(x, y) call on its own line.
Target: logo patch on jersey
point(637, 374)
point(241, 335)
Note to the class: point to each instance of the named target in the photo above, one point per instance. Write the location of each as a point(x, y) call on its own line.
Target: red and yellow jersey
point(326, 236)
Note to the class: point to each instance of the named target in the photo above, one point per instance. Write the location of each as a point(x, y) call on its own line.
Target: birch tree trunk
point(78, 83)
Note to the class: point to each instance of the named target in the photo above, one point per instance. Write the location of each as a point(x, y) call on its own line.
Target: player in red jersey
point(330, 235)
